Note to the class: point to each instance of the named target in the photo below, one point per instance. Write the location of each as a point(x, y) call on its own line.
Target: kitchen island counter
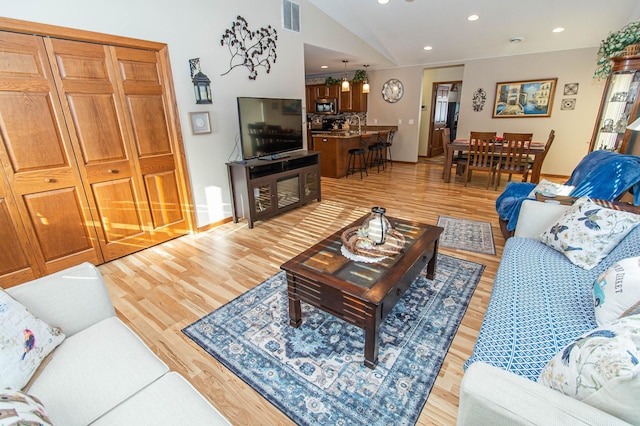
point(335, 147)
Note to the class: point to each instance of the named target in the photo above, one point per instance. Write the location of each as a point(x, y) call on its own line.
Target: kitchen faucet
point(359, 122)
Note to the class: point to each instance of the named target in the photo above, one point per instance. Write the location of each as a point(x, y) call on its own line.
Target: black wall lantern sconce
point(201, 83)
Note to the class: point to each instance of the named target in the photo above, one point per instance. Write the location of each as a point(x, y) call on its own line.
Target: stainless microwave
point(326, 106)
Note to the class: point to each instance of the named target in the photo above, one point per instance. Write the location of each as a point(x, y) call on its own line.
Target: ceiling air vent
point(290, 16)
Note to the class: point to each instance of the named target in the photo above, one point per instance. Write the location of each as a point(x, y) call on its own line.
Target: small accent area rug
point(465, 234)
point(315, 374)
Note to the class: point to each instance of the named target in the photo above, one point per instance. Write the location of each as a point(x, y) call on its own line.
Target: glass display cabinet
point(619, 108)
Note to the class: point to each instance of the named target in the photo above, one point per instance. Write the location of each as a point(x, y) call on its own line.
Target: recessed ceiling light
point(324, 66)
point(473, 18)
point(516, 39)
point(428, 48)
point(558, 30)
point(383, 1)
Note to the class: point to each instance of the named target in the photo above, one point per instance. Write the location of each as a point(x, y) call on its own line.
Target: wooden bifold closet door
point(90, 169)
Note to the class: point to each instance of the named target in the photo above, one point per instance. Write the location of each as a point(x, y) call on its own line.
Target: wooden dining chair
point(547, 145)
point(481, 156)
point(514, 156)
point(460, 159)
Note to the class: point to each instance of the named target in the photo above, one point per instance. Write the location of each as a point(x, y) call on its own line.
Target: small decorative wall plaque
point(479, 98)
point(249, 48)
point(571, 88)
point(568, 104)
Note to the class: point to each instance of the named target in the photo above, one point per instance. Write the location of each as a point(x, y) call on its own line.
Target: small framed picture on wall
point(200, 122)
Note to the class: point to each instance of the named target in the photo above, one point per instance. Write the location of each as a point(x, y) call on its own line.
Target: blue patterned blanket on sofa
point(539, 303)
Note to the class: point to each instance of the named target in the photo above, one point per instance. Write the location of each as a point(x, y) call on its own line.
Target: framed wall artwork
point(200, 122)
point(518, 99)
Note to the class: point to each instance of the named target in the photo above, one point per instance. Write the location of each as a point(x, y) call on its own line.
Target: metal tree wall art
point(248, 48)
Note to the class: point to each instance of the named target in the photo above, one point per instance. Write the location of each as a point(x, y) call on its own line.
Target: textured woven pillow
point(24, 342)
point(601, 368)
point(18, 408)
point(587, 232)
point(616, 293)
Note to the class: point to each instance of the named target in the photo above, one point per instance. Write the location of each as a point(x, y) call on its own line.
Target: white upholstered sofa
point(492, 392)
point(102, 373)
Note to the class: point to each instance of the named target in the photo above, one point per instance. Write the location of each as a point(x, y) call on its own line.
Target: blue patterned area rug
point(315, 374)
point(465, 234)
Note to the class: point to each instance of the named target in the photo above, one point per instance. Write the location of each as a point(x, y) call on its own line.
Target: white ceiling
point(400, 29)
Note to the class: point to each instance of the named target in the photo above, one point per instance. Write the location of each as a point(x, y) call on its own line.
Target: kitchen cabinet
point(619, 107)
point(322, 91)
point(310, 97)
point(264, 188)
point(90, 154)
point(353, 100)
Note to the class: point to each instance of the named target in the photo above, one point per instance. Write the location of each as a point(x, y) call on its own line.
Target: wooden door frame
point(46, 30)
point(434, 94)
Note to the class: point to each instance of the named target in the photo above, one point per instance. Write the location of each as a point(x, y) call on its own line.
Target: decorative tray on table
point(355, 242)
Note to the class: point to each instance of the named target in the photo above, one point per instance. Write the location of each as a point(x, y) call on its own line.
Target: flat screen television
point(269, 127)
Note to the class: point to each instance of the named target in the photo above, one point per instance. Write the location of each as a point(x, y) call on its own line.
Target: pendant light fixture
point(345, 80)
point(365, 84)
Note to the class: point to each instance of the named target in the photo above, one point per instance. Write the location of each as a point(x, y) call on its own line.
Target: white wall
point(405, 113)
point(573, 127)
point(193, 29)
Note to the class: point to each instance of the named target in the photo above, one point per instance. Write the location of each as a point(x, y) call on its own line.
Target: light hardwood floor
point(162, 289)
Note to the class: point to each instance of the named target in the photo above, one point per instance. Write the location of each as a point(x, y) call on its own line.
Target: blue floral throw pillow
point(587, 232)
point(601, 368)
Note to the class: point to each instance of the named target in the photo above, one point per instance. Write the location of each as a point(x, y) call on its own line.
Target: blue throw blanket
point(602, 175)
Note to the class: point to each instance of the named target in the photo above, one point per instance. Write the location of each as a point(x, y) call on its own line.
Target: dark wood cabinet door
point(38, 159)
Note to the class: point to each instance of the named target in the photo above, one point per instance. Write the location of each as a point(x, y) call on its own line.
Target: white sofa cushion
point(93, 371)
point(537, 216)
point(490, 396)
point(72, 299)
point(170, 400)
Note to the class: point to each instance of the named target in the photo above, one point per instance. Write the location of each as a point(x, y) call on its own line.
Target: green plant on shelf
point(359, 76)
point(614, 45)
point(331, 81)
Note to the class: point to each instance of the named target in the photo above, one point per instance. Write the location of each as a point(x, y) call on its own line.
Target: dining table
point(536, 150)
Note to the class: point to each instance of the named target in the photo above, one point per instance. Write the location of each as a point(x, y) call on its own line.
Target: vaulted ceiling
point(401, 29)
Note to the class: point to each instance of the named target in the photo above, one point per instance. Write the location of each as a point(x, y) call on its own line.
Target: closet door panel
point(164, 198)
point(57, 220)
point(31, 147)
point(141, 79)
point(119, 219)
point(85, 76)
point(17, 263)
point(38, 159)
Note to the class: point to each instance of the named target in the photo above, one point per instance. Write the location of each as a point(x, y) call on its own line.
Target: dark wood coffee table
point(360, 293)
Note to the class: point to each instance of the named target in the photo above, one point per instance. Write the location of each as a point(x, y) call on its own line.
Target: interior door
point(146, 99)
point(38, 159)
point(439, 119)
point(91, 102)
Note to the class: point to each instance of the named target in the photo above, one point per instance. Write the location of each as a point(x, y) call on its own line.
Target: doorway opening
point(445, 106)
